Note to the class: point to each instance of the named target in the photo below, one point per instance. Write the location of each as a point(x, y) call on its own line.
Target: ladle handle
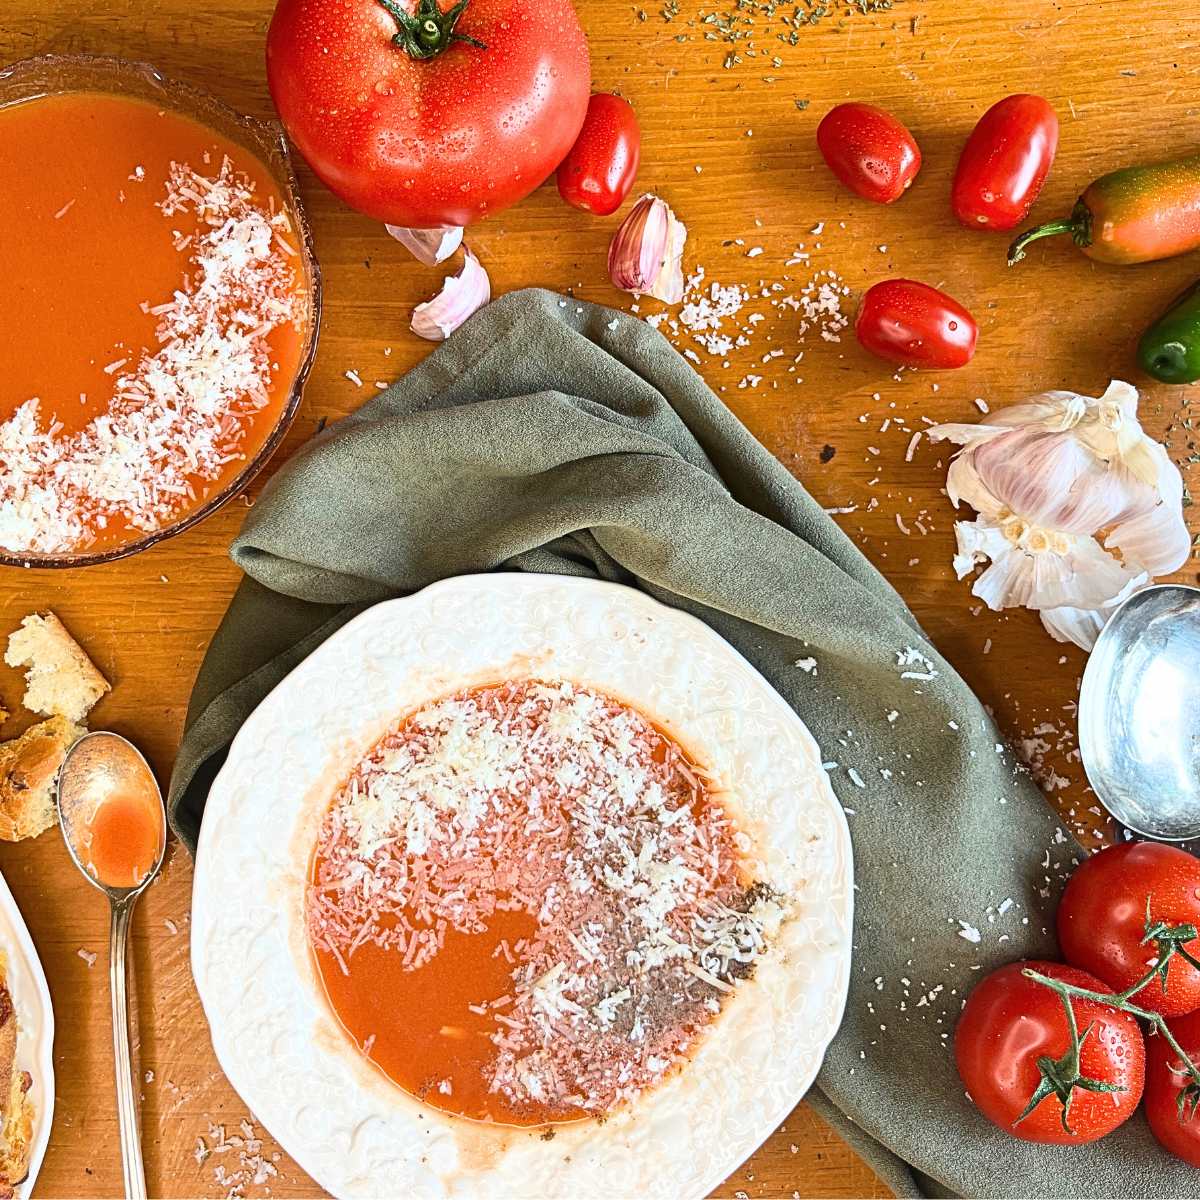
point(127, 1109)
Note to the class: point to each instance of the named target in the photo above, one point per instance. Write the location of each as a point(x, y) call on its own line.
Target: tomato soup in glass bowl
point(160, 302)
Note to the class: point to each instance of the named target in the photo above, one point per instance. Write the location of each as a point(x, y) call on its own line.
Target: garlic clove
point(1079, 625)
point(668, 285)
point(1083, 625)
point(461, 295)
point(1037, 568)
point(1157, 541)
point(430, 246)
point(645, 256)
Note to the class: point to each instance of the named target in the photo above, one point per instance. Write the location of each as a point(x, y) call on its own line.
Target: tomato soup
point(526, 904)
point(154, 309)
point(123, 839)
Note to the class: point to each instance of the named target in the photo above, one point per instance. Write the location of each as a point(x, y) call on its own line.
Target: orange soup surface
point(154, 309)
point(123, 839)
point(526, 904)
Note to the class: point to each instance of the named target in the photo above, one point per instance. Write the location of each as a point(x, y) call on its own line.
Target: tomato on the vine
point(1129, 905)
point(434, 117)
point(600, 168)
point(1172, 1096)
point(1015, 1054)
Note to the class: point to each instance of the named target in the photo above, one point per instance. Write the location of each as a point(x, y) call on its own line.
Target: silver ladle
point(98, 768)
point(1139, 713)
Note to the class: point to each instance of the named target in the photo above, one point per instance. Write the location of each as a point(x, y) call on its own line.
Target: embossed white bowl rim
point(352, 1130)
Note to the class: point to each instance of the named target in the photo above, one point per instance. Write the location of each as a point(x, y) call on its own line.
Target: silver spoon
point(1139, 713)
point(100, 769)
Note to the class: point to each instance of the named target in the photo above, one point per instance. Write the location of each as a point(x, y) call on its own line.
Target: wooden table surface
point(732, 148)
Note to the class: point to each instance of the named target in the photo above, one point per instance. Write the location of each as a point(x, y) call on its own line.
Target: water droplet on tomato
point(953, 326)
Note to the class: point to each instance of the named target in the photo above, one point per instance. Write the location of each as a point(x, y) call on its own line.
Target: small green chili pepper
point(1170, 348)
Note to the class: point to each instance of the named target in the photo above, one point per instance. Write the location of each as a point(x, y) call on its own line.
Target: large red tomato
point(1128, 906)
point(431, 117)
point(1013, 1045)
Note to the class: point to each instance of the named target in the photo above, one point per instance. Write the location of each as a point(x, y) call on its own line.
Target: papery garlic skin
point(645, 256)
point(1046, 477)
point(430, 246)
point(461, 296)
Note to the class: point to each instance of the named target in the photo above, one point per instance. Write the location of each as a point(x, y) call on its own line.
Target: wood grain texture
point(1123, 78)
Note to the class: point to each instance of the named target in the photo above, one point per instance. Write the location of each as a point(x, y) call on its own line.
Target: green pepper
point(1170, 348)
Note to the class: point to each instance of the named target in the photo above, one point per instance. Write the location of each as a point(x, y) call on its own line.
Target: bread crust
point(28, 769)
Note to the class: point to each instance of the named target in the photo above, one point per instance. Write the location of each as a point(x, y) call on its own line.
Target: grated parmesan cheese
point(553, 800)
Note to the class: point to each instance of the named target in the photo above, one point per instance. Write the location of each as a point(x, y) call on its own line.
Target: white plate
point(35, 1016)
point(354, 1132)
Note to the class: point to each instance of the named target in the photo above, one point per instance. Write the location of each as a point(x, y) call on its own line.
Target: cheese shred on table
point(555, 800)
point(178, 412)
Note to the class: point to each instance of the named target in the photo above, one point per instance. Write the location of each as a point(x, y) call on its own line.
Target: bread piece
point(61, 680)
point(28, 768)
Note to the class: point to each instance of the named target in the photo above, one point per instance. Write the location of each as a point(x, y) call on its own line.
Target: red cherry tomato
point(600, 168)
point(434, 116)
point(1009, 1022)
point(915, 325)
point(1004, 163)
point(871, 152)
point(1178, 1129)
point(1102, 923)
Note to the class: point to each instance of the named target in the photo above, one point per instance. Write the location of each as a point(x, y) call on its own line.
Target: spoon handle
point(127, 1111)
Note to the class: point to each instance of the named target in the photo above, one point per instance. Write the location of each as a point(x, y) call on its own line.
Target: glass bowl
point(56, 74)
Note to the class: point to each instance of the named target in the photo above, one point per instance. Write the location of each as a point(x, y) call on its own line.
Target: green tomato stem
point(427, 32)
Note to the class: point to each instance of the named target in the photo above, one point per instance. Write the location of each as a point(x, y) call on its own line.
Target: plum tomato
point(915, 325)
point(870, 151)
point(1004, 163)
point(600, 168)
point(1013, 1047)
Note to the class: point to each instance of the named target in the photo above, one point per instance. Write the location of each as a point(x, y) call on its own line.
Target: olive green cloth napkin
point(555, 436)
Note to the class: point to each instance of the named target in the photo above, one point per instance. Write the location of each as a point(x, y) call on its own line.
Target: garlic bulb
point(1047, 478)
point(646, 253)
point(430, 246)
point(461, 295)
